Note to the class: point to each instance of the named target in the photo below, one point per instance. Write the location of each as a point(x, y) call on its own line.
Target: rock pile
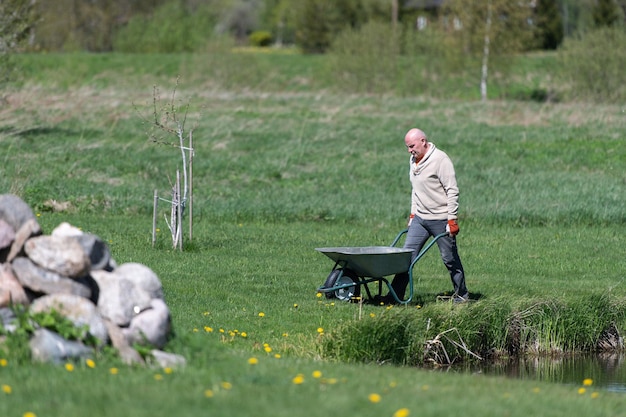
point(73, 273)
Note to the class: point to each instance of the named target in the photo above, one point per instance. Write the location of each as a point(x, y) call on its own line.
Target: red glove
point(452, 228)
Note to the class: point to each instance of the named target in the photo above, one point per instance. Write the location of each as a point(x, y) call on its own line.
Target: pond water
point(607, 371)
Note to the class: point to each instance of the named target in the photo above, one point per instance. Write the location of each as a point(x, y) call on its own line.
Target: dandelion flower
point(208, 329)
point(374, 398)
point(295, 306)
point(331, 381)
point(3, 362)
point(285, 334)
point(227, 385)
point(243, 334)
point(298, 379)
point(318, 295)
point(158, 377)
point(581, 390)
point(320, 330)
point(208, 393)
point(6, 389)
point(267, 349)
point(206, 313)
point(113, 371)
point(277, 356)
point(317, 374)
point(403, 412)
point(90, 363)
point(69, 367)
point(221, 330)
point(253, 361)
point(587, 382)
point(29, 414)
point(372, 315)
point(168, 370)
point(261, 314)
point(536, 390)
point(595, 395)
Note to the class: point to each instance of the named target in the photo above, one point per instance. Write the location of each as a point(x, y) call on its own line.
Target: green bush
point(260, 38)
point(594, 65)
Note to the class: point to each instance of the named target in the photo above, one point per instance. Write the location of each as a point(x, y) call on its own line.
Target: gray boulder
point(47, 346)
point(61, 254)
point(150, 327)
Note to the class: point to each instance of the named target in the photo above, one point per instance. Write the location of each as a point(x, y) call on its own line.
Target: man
point(434, 209)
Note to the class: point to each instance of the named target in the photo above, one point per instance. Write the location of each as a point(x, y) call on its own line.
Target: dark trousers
point(419, 232)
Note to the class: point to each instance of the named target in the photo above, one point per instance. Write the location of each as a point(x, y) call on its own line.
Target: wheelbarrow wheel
point(343, 277)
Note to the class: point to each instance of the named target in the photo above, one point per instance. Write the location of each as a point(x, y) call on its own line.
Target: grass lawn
point(279, 173)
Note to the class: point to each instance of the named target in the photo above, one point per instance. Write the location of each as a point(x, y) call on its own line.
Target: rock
point(143, 277)
point(11, 292)
point(150, 327)
point(128, 355)
point(98, 251)
point(168, 360)
point(15, 211)
point(7, 235)
point(43, 281)
point(29, 229)
point(77, 309)
point(8, 319)
point(47, 346)
point(67, 230)
point(61, 254)
point(119, 299)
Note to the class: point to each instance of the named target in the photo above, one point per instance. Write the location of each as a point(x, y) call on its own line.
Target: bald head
point(416, 143)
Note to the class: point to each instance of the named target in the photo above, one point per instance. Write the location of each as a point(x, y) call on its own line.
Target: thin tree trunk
point(485, 66)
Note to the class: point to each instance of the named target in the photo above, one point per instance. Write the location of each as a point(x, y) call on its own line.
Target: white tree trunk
point(485, 66)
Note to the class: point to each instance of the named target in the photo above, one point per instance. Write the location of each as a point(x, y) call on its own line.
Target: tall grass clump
point(594, 65)
point(489, 328)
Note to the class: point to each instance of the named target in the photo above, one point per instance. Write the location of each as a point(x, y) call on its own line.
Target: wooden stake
point(190, 185)
point(179, 227)
point(155, 205)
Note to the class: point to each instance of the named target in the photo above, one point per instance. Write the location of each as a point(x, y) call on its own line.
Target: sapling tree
point(167, 127)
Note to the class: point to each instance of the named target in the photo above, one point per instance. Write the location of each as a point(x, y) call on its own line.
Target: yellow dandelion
point(277, 356)
point(418, 306)
point(208, 329)
point(158, 230)
point(243, 334)
point(195, 330)
point(320, 330)
point(372, 315)
point(90, 363)
point(208, 393)
point(298, 379)
point(582, 390)
point(389, 307)
point(261, 314)
point(232, 334)
point(29, 414)
point(403, 412)
point(285, 334)
point(226, 385)
point(168, 370)
point(587, 382)
point(317, 374)
point(267, 349)
point(595, 395)
point(221, 330)
point(536, 390)
point(206, 313)
point(253, 361)
point(332, 304)
point(318, 295)
point(295, 306)
point(69, 367)
point(113, 371)
point(3, 362)
point(332, 381)
point(158, 377)
point(6, 389)
point(393, 384)
point(374, 398)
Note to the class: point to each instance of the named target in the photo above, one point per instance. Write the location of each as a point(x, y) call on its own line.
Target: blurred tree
point(606, 13)
point(17, 18)
point(548, 23)
point(484, 31)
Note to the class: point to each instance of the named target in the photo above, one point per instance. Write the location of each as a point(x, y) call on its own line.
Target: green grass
point(281, 168)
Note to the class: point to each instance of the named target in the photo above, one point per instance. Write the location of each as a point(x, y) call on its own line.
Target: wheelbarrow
point(356, 267)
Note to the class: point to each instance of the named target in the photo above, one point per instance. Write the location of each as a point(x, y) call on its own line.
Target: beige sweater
point(435, 194)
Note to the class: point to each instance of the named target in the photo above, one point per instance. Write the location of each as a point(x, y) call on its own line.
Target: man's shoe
point(460, 299)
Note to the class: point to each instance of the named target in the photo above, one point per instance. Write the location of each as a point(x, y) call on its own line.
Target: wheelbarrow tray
point(371, 261)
